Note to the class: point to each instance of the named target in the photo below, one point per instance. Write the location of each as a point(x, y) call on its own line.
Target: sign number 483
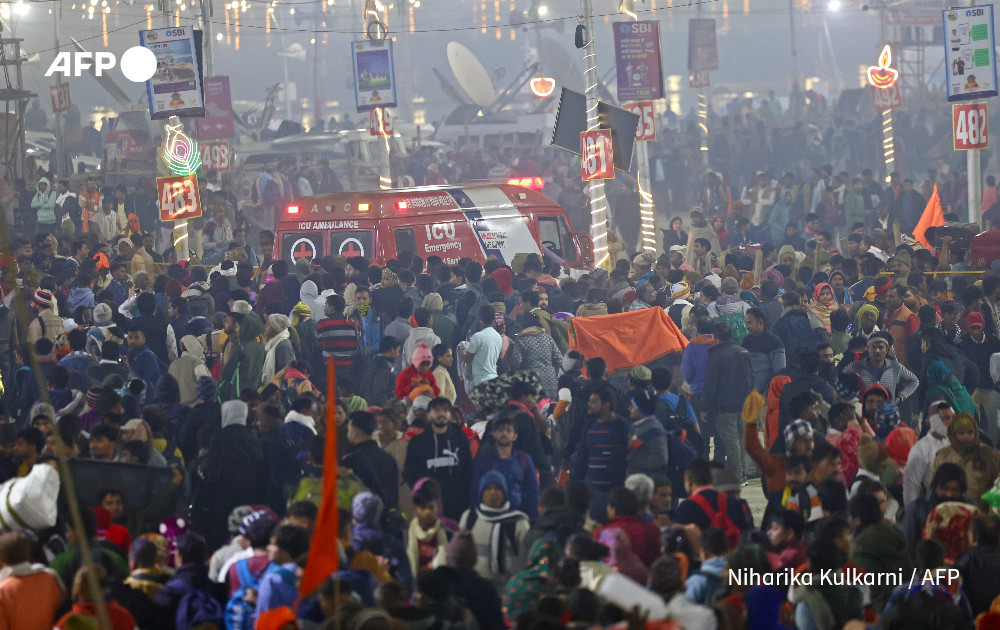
point(970, 126)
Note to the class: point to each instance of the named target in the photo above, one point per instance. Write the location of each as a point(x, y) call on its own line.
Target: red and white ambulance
point(474, 221)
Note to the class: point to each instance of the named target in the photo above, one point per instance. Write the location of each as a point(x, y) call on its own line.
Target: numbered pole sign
point(380, 121)
point(646, 130)
point(59, 94)
point(596, 158)
point(699, 79)
point(178, 197)
point(886, 98)
point(215, 155)
point(970, 126)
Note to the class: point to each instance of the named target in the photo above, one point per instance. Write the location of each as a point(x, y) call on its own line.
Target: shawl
point(943, 385)
point(820, 310)
point(417, 533)
point(270, 348)
point(531, 583)
point(622, 558)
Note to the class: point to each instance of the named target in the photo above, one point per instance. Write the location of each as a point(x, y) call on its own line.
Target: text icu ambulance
point(473, 221)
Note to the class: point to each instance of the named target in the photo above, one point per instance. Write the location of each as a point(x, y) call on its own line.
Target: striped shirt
point(339, 338)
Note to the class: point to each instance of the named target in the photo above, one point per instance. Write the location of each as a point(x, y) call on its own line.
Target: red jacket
point(120, 618)
point(645, 537)
point(406, 378)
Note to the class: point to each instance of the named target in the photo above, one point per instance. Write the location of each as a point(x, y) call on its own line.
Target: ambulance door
point(352, 243)
point(554, 233)
point(298, 245)
point(406, 240)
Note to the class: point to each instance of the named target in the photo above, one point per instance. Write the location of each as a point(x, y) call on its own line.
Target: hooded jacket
point(246, 363)
point(406, 379)
point(446, 458)
point(960, 366)
point(693, 362)
point(981, 463)
point(418, 335)
point(917, 476)
point(767, 358)
point(44, 203)
point(188, 367)
point(80, 296)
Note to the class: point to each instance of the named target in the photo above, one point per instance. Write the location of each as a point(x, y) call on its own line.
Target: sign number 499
point(970, 124)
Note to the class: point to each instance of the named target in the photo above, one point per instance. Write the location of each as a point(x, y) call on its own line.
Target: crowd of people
point(489, 475)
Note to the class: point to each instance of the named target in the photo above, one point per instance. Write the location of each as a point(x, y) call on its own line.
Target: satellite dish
point(559, 65)
point(471, 75)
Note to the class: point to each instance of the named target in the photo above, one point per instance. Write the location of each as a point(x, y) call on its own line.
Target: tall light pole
point(595, 191)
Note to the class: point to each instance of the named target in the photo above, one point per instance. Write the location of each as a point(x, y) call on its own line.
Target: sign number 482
point(970, 126)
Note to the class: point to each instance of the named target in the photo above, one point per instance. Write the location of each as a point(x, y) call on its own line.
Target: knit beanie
point(730, 286)
point(102, 314)
point(206, 389)
point(867, 453)
point(433, 302)
point(796, 428)
point(462, 551)
point(422, 354)
point(366, 508)
point(279, 322)
point(572, 360)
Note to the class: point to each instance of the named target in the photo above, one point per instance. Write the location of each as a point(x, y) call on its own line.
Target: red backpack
point(719, 518)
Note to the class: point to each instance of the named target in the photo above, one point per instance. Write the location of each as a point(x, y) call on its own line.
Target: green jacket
point(245, 364)
point(854, 208)
point(881, 548)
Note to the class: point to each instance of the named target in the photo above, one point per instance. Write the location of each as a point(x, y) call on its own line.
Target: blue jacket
point(519, 471)
point(697, 587)
point(371, 331)
point(146, 366)
point(694, 360)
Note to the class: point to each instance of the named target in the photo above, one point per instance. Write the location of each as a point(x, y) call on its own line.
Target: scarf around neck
point(270, 348)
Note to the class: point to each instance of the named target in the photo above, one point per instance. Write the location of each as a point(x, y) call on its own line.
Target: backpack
point(241, 614)
point(719, 518)
point(198, 609)
point(677, 422)
point(715, 588)
point(737, 323)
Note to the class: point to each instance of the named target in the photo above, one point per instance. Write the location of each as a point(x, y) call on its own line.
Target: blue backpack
point(197, 609)
point(241, 614)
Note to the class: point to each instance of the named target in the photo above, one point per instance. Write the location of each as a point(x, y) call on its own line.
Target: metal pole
point(795, 54)
point(647, 218)
point(207, 37)
point(59, 130)
point(703, 110)
point(598, 200)
point(975, 177)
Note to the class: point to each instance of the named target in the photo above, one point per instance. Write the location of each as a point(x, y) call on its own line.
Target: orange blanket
point(626, 340)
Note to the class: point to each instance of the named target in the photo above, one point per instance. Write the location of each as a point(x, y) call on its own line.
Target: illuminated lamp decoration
point(883, 76)
point(543, 87)
point(180, 152)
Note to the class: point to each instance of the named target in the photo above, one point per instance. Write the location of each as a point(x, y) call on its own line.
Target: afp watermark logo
point(138, 63)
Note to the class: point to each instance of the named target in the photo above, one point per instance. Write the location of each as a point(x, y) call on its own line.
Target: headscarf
point(899, 442)
point(746, 282)
point(505, 280)
point(774, 276)
point(941, 384)
point(527, 587)
point(785, 251)
point(622, 558)
point(300, 313)
point(964, 423)
point(133, 224)
point(820, 310)
point(948, 523)
point(500, 324)
point(849, 442)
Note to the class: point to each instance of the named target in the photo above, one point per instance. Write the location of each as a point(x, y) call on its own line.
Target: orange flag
point(626, 340)
point(324, 556)
point(933, 216)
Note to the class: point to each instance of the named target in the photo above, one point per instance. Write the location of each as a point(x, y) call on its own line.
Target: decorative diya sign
point(543, 87)
point(883, 76)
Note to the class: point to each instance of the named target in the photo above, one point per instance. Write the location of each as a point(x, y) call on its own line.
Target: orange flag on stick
point(324, 555)
point(933, 216)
